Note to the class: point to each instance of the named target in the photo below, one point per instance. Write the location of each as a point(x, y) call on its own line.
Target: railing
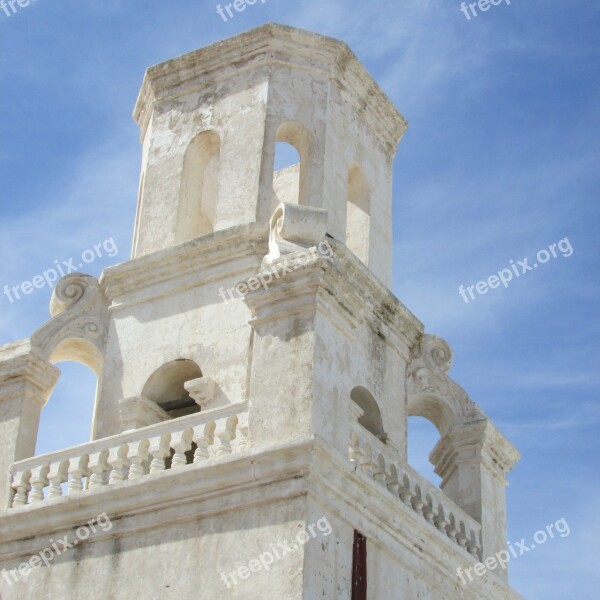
point(131, 455)
point(373, 458)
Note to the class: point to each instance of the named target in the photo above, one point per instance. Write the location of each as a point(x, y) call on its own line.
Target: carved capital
point(474, 443)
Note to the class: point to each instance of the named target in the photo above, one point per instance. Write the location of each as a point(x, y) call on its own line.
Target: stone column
point(26, 380)
point(473, 460)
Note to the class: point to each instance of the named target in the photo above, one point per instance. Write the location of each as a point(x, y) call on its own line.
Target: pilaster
point(26, 380)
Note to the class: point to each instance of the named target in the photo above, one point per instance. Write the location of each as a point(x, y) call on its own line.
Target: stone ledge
point(209, 488)
point(181, 264)
point(306, 467)
point(262, 47)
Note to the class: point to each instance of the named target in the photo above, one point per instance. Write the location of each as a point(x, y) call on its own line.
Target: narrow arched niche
point(166, 388)
point(199, 192)
point(358, 213)
point(371, 419)
point(290, 177)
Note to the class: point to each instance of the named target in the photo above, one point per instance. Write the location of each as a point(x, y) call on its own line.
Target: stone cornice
point(269, 45)
point(213, 257)
point(381, 307)
point(21, 364)
point(214, 486)
point(478, 442)
point(342, 289)
point(304, 467)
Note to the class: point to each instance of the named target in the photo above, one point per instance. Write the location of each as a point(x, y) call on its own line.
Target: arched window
point(286, 179)
point(166, 388)
point(290, 179)
point(66, 418)
point(358, 216)
point(422, 437)
point(371, 419)
point(199, 187)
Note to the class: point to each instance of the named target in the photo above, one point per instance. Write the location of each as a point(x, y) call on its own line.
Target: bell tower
point(255, 372)
point(210, 121)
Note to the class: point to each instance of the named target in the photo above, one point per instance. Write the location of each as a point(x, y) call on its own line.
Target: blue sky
point(500, 160)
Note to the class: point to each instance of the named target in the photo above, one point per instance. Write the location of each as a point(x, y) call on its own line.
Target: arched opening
point(166, 388)
point(371, 419)
point(422, 438)
point(292, 144)
point(66, 418)
point(358, 215)
point(286, 156)
point(199, 187)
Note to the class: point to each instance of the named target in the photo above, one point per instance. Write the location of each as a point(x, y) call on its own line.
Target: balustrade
point(133, 455)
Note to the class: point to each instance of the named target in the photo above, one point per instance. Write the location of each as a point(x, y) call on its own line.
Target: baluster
point(242, 433)
point(440, 520)
point(159, 449)
point(21, 486)
point(367, 464)
point(119, 464)
point(39, 480)
point(379, 475)
point(405, 493)
point(98, 467)
point(78, 469)
point(138, 452)
point(203, 437)
point(355, 452)
point(57, 475)
point(181, 442)
point(224, 433)
point(472, 545)
point(417, 500)
point(451, 527)
point(461, 536)
point(392, 481)
point(428, 509)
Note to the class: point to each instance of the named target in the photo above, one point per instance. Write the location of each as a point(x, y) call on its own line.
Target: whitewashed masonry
point(222, 427)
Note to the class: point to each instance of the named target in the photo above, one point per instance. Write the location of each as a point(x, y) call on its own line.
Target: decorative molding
point(339, 287)
point(261, 49)
point(234, 251)
point(293, 228)
point(25, 373)
point(431, 392)
point(477, 442)
point(79, 324)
